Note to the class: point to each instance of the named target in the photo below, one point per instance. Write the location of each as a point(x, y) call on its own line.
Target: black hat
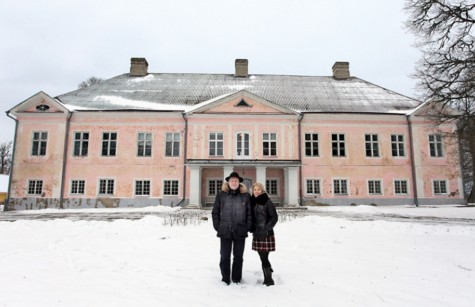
point(236, 175)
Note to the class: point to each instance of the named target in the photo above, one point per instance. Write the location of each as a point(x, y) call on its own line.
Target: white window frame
point(395, 187)
point(338, 143)
point(438, 181)
point(380, 186)
point(81, 142)
point(243, 143)
point(277, 185)
point(35, 187)
point(347, 186)
point(267, 138)
point(171, 187)
point(374, 151)
point(143, 181)
point(313, 144)
point(40, 141)
point(216, 141)
point(106, 187)
point(217, 186)
point(399, 145)
point(144, 141)
point(172, 142)
point(78, 181)
point(109, 142)
point(319, 186)
point(438, 145)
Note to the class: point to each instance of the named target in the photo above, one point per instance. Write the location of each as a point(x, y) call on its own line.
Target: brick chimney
point(241, 68)
point(341, 70)
point(138, 67)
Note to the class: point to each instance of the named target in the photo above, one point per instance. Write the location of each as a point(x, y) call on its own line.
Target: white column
point(261, 175)
point(292, 180)
point(195, 186)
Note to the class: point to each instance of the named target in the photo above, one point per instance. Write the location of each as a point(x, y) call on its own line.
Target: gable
point(241, 102)
point(39, 103)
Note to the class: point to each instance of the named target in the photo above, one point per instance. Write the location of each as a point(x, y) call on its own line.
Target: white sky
point(53, 45)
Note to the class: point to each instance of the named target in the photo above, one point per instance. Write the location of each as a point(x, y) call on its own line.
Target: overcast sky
point(53, 45)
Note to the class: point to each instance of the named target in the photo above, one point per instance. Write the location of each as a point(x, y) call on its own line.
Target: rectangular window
point(144, 144)
point(142, 187)
point(397, 145)
point(269, 144)
point(81, 144)
point(440, 187)
point(40, 140)
point(242, 144)
point(172, 147)
point(109, 144)
point(214, 186)
point(435, 145)
point(313, 186)
point(271, 187)
point(400, 187)
point(216, 144)
point(35, 187)
point(338, 145)
point(340, 187)
point(311, 145)
point(170, 187)
point(371, 145)
point(374, 187)
point(77, 186)
point(106, 186)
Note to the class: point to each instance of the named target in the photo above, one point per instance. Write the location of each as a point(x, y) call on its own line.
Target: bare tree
point(446, 72)
point(89, 82)
point(5, 157)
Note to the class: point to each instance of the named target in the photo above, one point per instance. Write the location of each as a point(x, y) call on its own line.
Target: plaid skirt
point(266, 244)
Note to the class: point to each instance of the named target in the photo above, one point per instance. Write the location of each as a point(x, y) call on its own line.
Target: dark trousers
point(237, 247)
point(265, 259)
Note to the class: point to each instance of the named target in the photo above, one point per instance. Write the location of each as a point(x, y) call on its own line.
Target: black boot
point(268, 281)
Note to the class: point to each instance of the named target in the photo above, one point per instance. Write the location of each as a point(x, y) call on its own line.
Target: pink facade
point(66, 157)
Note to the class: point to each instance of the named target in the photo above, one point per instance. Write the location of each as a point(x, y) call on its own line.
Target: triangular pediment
point(39, 103)
point(241, 102)
point(432, 108)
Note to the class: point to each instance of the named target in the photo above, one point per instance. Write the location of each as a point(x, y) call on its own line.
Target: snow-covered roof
point(181, 92)
point(4, 183)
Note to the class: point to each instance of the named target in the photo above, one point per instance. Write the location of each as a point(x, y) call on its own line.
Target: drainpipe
point(65, 155)
point(413, 162)
point(185, 139)
point(12, 162)
point(300, 156)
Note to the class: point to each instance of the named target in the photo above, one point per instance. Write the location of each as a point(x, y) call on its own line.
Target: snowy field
point(321, 260)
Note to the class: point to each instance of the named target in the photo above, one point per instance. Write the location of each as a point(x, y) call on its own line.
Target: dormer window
point(42, 107)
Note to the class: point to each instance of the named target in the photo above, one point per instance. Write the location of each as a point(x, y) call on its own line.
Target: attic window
point(243, 103)
point(42, 107)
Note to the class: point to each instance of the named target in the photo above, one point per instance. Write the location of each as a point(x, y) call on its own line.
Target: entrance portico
point(282, 175)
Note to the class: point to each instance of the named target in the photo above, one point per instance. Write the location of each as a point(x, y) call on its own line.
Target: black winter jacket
point(264, 216)
point(232, 213)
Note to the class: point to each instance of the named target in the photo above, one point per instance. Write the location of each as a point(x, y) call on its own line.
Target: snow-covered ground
point(320, 261)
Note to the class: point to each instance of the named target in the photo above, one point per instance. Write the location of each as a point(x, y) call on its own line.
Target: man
point(232, 221)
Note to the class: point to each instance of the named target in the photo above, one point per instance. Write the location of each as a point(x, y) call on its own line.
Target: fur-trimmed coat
point(232, 212)
point(264, 216)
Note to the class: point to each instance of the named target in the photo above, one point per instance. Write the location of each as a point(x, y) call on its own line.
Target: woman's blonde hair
point(260, 185)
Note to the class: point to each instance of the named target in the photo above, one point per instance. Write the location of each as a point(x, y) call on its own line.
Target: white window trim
point(71, 185)
point(209, 143)
point(179, 146)
point(99, 186)
point(207, 185)
point(235, 145)
point(163, 187)
point(380, 154)
point(442, 146)
point(278, 186)
point(408, 187)
point(346, 147)
point(446, 187)
point(381, 183)
point(347, 186)
point(32, 139)
point(137, 144)
point(135, 187)
point(318, 144)
point(88, 147)
point(116, 145)
point(276, 144)
point(320, 186)
point(28, 187)
point(403, 146)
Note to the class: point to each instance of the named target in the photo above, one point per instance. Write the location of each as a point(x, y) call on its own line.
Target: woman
point(264, 218)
